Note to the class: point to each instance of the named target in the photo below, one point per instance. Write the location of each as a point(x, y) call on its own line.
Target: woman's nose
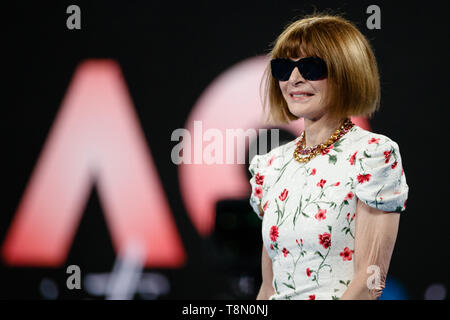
point(296, 76)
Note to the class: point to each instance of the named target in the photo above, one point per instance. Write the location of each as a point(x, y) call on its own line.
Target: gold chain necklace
point(313, 151)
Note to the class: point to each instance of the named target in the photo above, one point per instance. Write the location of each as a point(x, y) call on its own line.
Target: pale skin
point(375, 230)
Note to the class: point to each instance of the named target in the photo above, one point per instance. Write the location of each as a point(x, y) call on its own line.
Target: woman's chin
point(298, 111)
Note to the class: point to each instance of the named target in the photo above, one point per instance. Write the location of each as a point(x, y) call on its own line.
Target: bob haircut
point(353, 86)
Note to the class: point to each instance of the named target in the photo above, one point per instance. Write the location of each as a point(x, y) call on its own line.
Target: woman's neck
point(319, 130)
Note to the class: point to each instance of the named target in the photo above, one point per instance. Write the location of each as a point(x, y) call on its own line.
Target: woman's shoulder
point(368, 140)
point(264, 169)
point(272, 159)
point(379, 175)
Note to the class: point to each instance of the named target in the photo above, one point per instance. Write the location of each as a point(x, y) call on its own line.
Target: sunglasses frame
point(311, 68)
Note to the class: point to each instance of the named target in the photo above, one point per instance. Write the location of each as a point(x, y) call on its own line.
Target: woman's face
point(305, 98)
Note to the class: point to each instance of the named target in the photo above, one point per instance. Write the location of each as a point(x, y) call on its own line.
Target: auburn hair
point(353, 84)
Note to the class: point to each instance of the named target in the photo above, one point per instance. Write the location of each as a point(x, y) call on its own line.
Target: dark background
point(161, 45)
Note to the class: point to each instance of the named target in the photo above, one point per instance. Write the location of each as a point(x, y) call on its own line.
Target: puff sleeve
point(264, 172)
point(379, 177)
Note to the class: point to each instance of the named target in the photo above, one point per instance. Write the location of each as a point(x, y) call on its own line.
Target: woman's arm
point(375, 236)
point(266, 289)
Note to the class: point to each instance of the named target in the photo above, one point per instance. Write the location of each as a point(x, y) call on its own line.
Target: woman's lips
point(300, 96)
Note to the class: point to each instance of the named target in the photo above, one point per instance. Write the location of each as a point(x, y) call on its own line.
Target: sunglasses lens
point(281, 68)
point(313, 68)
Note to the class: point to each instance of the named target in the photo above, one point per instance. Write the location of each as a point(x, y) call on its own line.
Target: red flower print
point(312, 297)
point(325, 240)
point(259, 179)
point(353, 216)
point(373, 140)
point(265, 205)
point(320, 215)
point(348, 215)
point(258, 192)
point(308, 272)
point(394, 165)
point(402, 171)
point(285, 252)
point(363, 177)
point(283, 195)
point(274, 233)
point(271, 246)
point(346, 254)
point(321, 183)
point(301, 240)
point(352, 158)
point(387, 156)
point(313, 172)
point(269, 163)
point(336, 184)
point(349, 196)
point(326, 150)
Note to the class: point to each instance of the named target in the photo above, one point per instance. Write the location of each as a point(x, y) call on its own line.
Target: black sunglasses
point(311, 68)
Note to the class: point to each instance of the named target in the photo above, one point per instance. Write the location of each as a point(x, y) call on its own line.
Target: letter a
point(73, 281)
point(374, 21)
point(74, 20)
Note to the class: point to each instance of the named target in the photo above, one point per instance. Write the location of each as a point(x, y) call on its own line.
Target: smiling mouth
point(300, 96)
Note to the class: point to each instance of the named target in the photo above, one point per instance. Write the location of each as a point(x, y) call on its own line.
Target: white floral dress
point(308, 219)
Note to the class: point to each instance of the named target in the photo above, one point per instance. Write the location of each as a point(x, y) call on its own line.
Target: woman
point(330, 199)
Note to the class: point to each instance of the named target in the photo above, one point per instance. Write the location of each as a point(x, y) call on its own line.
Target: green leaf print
point(288, 285)
point(342, 281)
point(319, 254)
point(276, 286)
point(338, 143)
point(375, 201)
point(279, 212)
point(341, 206)
point(283, 212)
point(299, 210)
point(345, 283)
point(282, 169)
point(295, 217)
point(332, 159)
point(305, 214)
point(347, 229)
point(295, 262)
